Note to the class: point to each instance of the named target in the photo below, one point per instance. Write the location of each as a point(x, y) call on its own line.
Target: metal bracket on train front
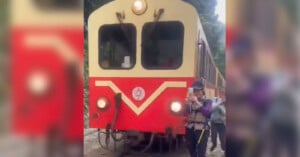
point(157, 14)
point(120, 16)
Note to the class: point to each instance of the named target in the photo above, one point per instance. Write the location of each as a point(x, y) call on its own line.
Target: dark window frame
point(207, 65)
point(182, 52)
point(202, 58)
point(134, 35)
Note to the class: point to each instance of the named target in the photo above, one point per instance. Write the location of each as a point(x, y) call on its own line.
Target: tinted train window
point(206, 71)
point(213, 80)
point(212, 71)
point(59, 4)
point(162, 46)
point(117, 46)
point(220, 83)
point(202, 51)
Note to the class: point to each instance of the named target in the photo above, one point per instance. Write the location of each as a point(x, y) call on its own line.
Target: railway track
point(93, 149)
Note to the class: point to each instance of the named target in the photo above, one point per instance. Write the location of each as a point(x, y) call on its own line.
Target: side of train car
point(207, 71)
point(143, 55)
point(47, 56)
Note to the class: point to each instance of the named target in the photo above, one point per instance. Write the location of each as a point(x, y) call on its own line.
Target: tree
point(214, 30)
point(4, 55)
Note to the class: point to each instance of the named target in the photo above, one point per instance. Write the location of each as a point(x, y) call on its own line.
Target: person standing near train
point(218, 119)
point(197, 111)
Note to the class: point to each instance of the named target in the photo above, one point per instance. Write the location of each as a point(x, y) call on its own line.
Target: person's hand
point(193, 99)
point(189, 99)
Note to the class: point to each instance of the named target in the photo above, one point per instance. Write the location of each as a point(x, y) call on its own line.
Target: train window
point(220, 83)
point(59, 4)
point(117, 48)
point(206, 71)
point(210, 71)
point(162, 46)
point(202, 58)
point(214, 75)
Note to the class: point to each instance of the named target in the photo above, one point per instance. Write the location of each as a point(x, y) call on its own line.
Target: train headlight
point(139, 7)
point(102, 103)
point(38, 83)
point(176, 106)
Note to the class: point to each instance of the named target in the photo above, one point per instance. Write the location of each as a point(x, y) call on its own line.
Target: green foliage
point(4, 55)
point(292, 8)
point(214, 30)
point(3, 26)
point(89, 7)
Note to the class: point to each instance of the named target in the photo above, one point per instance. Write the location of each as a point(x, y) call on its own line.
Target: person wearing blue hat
point(197, 111)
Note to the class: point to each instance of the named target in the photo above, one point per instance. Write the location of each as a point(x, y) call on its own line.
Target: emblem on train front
point(138, 93)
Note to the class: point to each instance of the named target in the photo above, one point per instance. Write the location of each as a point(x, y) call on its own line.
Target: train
point(46, 70)
point(143, 56)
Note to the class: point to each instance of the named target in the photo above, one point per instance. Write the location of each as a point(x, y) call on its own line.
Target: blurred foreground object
point(4, 61)
point(47, 74)
point(262, 78)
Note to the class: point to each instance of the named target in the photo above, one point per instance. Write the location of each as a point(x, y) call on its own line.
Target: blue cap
point(198, 85)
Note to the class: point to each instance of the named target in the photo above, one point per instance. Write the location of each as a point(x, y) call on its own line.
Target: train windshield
point(117, 46)
point(162, 45)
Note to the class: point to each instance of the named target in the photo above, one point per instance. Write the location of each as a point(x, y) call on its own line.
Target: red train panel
point(46, 55)
point(148, 113)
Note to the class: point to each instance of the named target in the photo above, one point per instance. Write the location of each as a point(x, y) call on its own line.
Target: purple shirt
point(206, 109)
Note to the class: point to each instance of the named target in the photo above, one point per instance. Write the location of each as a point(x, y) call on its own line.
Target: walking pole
point(199, 140)
point(201, 135)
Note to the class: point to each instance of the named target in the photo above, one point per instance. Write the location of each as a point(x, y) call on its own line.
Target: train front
point(141, 62)
point(46, 68)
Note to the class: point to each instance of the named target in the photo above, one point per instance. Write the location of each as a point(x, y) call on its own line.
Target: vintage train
point(143, 55)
